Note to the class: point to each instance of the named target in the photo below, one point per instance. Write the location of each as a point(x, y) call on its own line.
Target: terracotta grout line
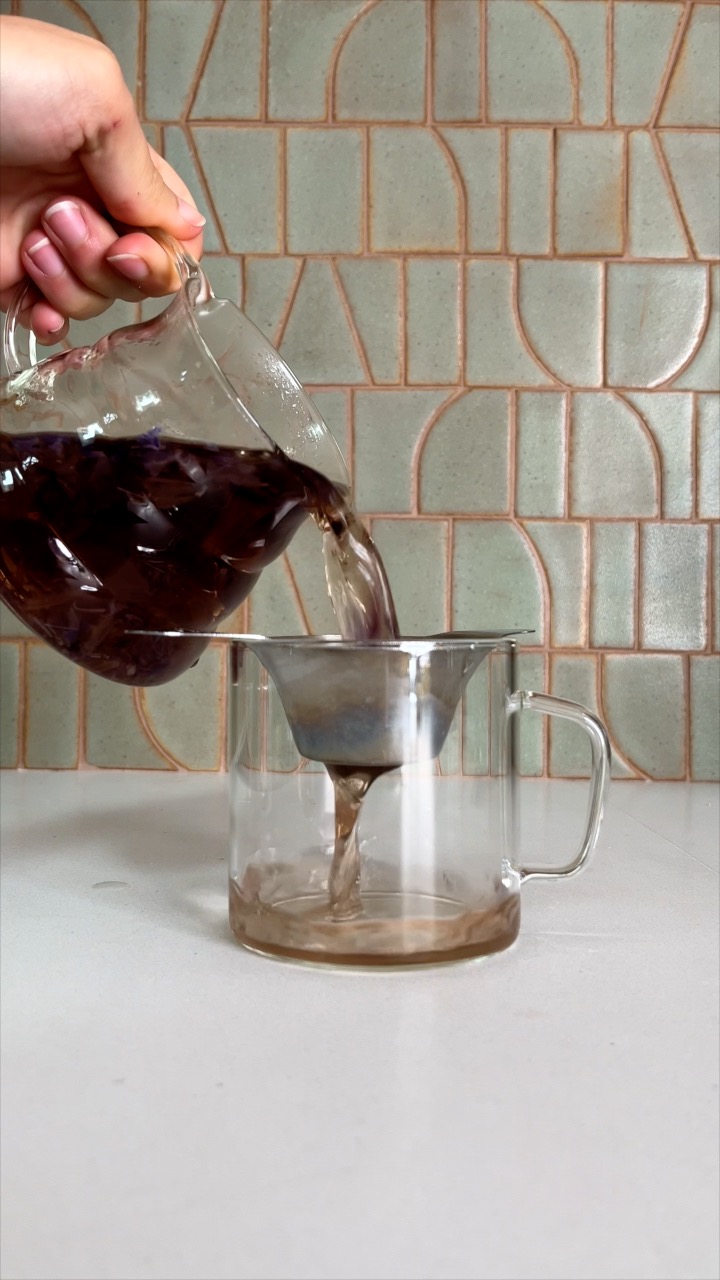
point(366, 192)
point(553, 192)
point(416, 460)
point(708, 609)
point(202, 62)
point(460, 190)
point(23, 701)
point(625, 195)
point(673, 55)
point(504, 192)
point(142, 60)
point(289, 303)
point(297, 594)
point(570, 58)
point(282, 193)
point(483, 59)
point(145, 722)
point(265, 61)
point(603, 325)
point(355, 332)
point(473, 256)
point(656, 143)
point(356, 122)
point(695, 454)
point(688, 717)
point(567, 451)
point(449, 572)
point(609, 64)
point(654, 447)
point(404, 356)
point(461, 324)
point(522, 332)
point(429, 68)
point(350, 434)
point(205, 185)
point(512, 453)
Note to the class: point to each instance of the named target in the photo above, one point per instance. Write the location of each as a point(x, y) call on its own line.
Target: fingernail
point(45, 257)
point(190, 214)
point(130, 265)
point(67, 223)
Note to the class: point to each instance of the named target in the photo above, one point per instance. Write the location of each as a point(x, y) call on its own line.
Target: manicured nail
point(57, 327)
point(66, 221)
point(130, 265)
point(45, 258)
point(190, 214)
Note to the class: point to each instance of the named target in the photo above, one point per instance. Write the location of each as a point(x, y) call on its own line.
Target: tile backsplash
point(484, 233)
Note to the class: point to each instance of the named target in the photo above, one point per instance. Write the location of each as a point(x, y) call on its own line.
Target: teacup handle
point(545, 704)
point(16, 360)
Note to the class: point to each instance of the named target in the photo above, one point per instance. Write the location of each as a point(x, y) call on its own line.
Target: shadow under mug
point(416, 740)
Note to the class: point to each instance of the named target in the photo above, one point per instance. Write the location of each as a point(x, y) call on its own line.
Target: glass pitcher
point(146, 481)
point(373, 806)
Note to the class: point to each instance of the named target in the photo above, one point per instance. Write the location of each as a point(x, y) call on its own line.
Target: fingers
point(120, 165)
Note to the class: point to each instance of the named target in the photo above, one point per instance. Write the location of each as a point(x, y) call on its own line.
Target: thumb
point(119, 163)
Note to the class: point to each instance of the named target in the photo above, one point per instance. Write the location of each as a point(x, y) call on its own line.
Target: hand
point(75, 172)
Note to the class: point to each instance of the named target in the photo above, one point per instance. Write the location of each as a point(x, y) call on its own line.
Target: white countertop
point(175, 1107)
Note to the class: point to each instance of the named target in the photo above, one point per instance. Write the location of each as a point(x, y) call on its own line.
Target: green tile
point(528, 73)
point(654, 227)
point(495, 580)
point(573, 678)
point(530, 729)
point(705, 722)
point(433, 289)
point(456, 50)
point(381, 68)
point(644, 698)
point(477, 155)
point(176, 31)
point(561, 310)
point(268, 282)
point(387, 427)
point(225, 277)
point(540, 463)
point(655, 313)
point(414, 554)
point(529, 166)
point(589, 209)
point(414, 201)
point(613, 576)
point(585, 25)
point(324, 190)
point(230, 84)
point(716, 584)
point(694, 161)
point(9, 704)
point(476, 723)
point(51, 732)
point(248, 210)
point(669, 417)
point(612, 469)
point(703, 371)
point(186, 714)
point(302, 40)
point(114, 737)
point(464, 464)
point(372, 287)
point(643, 34)
point(496, 355)
point(318, 343)
point(562, 549)
point(10, 625)
point(673, 604)
point(709, 456)
point(693, 96)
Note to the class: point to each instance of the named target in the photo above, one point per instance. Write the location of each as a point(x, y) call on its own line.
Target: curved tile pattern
point(496, 354)
point(564, 553)
point(301, 54)
point(476, 152)
point(230, 86)
point(670, 419)
point(415, 202)
point(464, 462)
point(176, 33)
point(529, 75)
point(372, 287)
point(703, 371)
point(560, 308)
point(187, 718)
point(613, 468)
point(496, 579)
point(370, 82)
point(644, 700)
point(655, 320)
point(585, 25)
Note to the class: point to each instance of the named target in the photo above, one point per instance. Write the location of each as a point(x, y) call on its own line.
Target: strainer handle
point(545, 704)
point(16, 359)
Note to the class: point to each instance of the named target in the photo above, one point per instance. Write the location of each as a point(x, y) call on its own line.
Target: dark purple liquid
point(107, 537)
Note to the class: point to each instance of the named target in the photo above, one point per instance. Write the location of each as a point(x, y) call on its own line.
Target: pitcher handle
point(545, 704)
point(16, 360)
